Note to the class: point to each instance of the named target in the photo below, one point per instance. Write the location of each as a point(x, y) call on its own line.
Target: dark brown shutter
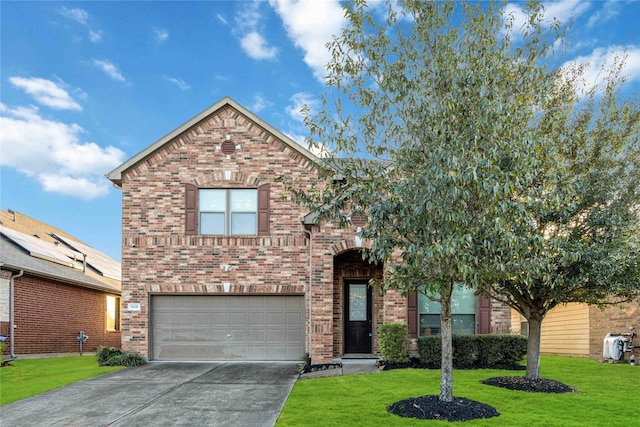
point(484, 315)
point(263, 209)
point(191, 209)
point(412, 313)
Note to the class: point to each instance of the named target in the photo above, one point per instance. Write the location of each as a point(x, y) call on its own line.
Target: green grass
point(608, 395)
point(28, 377)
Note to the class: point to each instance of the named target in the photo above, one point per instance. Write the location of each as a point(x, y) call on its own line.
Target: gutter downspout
point(308, 365)
point(11, 313)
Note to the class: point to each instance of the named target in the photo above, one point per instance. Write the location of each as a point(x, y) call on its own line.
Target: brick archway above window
point(228, 178)
point(347, 245)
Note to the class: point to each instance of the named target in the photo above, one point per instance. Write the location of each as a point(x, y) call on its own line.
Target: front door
point(357, 317)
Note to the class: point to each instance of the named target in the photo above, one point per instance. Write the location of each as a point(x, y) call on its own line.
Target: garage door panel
point(227, 327)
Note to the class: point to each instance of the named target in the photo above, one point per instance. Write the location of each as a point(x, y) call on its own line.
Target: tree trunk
point(533, 349)
point(446, 376)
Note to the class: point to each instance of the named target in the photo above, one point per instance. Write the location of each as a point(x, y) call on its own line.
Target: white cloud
point(257, 47)
point(64, 164)
point(160, 35)
point(222, 19)
point(81, 16)
point(248, 29)
point(609, 10)
point(95, 36)
point(299, 101)
point(563, 11)
point(601, 59)
point(178, 82)
point(111, 70)
point(311, 25)
point(46, 92)
point(260, 103)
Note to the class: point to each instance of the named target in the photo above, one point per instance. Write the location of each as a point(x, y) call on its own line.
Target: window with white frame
point(113, 313)
point(463, 312)
point(228, 211)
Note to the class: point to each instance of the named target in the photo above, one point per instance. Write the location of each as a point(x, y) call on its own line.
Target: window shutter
point(263, 209)
point(412, 314)
point(484, 315)
point(191, 209)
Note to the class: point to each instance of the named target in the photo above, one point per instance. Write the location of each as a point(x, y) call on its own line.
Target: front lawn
point(608, 395)
point(27, 377)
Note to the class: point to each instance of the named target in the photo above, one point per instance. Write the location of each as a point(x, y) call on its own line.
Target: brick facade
point(49, 314)
point(159, 257)
point(613, 319)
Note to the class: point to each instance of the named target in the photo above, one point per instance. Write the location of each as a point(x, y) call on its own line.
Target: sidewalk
point(349, 367)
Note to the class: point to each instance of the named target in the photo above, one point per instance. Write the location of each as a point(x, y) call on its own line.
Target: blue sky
point(86, 85)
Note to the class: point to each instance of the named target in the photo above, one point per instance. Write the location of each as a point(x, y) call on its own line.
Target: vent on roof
point(228, 147)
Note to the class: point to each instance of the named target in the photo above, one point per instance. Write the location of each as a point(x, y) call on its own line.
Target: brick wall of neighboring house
point(48, 316)
point(614, 319)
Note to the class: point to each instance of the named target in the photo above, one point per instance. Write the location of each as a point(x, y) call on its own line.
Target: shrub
point(127, 360)
point(393, 343)
point(465, 350)
point(3, 347)
point(430, 350)
point(112, 356)
point(475, 351)
point(104, 354)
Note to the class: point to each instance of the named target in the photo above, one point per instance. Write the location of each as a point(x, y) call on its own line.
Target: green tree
point(580, 238)
point(424, 123)
point(476, 160)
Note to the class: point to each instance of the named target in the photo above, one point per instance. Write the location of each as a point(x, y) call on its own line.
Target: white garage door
point(227, 327)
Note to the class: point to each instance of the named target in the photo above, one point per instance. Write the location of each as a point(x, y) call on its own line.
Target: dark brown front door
point(357, 317)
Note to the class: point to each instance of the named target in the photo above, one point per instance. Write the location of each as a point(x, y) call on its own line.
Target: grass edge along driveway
point(27, 377)
point(608, 395)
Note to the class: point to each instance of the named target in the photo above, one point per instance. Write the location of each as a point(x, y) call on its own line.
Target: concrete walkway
point(164, 394)
point(349, 367)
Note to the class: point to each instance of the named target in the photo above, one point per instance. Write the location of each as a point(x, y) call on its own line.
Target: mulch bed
point(540, 385)
point(432, 408)
point(461, 409)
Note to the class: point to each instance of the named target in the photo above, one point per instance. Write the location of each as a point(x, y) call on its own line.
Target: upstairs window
point(232, 212)
point(235, 212)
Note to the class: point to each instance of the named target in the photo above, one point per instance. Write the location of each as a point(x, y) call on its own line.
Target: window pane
point(244, 200)
point(212, 223)
point(357, 303)
point(212, 200)
point(463, 300)
point(243, 223)
point(463, 324)
point(429, 324)
point(113, 313)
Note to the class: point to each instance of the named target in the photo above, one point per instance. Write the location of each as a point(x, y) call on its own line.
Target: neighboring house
point(579, 329)
point(218, 263)
point(61, 286)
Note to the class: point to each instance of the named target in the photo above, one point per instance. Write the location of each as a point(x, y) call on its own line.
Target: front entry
point(357, 317)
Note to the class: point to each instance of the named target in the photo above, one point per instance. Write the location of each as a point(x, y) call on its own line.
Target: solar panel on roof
point(101, 262)
point(41, 249)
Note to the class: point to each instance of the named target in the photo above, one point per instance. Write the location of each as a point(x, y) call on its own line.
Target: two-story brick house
point(219, 264)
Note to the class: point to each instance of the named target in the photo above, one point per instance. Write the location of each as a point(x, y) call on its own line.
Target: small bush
point(465, 350)
point(430, 350)
point(127, 360)
point(3, 347)
point(394, 343)
point(112, 356)
point(104, 354)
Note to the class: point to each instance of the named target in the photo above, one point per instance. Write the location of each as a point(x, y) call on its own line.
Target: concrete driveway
point(167, 394)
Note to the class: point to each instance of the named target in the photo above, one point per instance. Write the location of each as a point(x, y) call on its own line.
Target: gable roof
point(43, 250)
point(116, 175)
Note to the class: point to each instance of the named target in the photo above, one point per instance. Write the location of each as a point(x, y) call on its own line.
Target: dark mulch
point(432, 408)
point(541, 385)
